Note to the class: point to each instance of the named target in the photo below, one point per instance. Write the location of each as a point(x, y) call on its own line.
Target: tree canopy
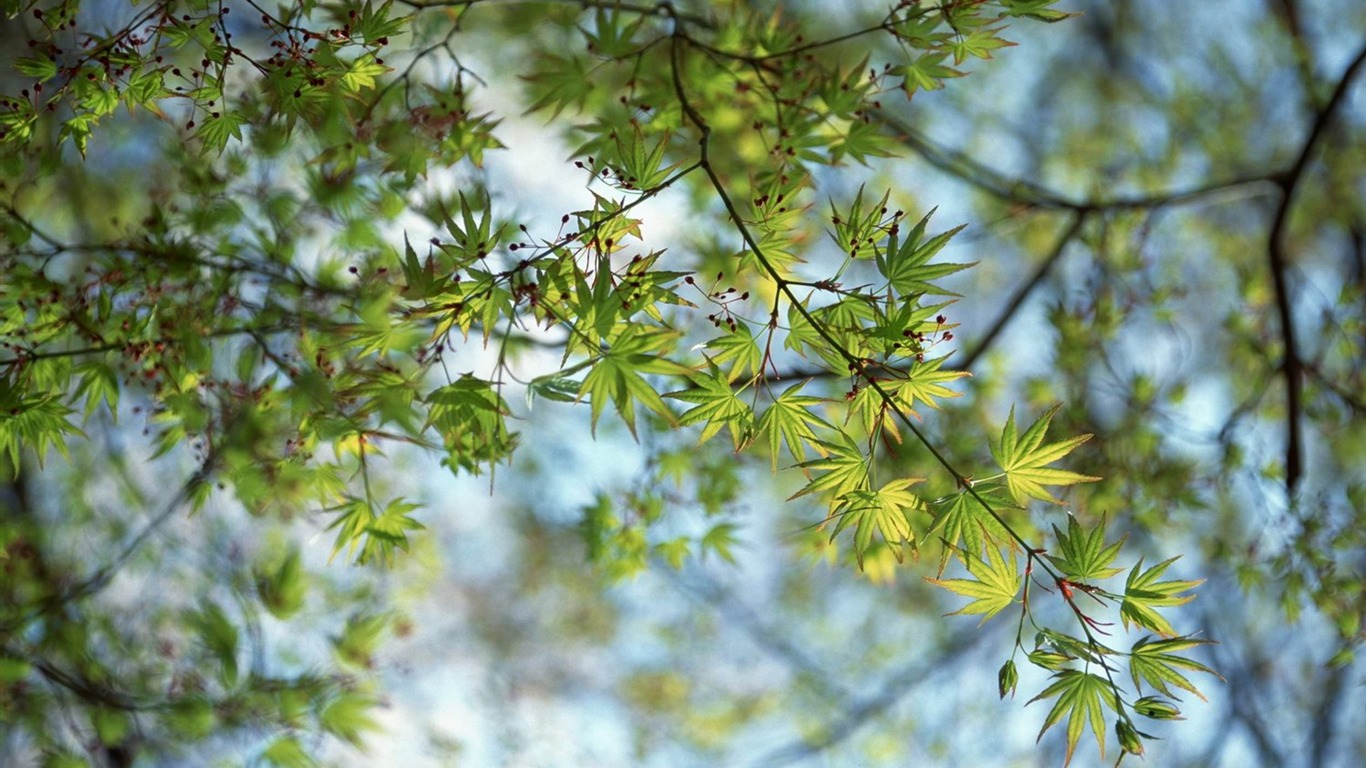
point(1048, 316)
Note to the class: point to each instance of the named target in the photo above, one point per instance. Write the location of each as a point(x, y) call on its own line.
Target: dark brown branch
point(857, 713)
point(1028, 193)
point(100, 578)
point(1357, 258)
point(1349, 395)
point(658, 9)
point(1243, 706)
point(84, 688)
point(1325, 716)
point(1292, 364)
point(1017, 299)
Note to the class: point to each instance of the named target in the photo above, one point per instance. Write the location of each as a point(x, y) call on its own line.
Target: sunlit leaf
point(994, 584)
point(1023, 458)
point(1083, 698)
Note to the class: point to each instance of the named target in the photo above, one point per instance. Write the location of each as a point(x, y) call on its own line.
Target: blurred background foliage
point(1152, 192)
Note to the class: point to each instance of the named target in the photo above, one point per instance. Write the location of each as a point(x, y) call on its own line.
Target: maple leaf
point(1083, 556)
point(1143, 594)
point(886, 511)
point(789, 420)
point(1080, 697)
point(1156, 661)
point(719, 406)
point(994, 585)
point(1024, 459)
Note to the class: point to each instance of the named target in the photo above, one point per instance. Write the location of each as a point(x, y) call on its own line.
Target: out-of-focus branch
point(1349, 396)
point(1032, 194)
point(101, 577)
point(1325, 717)
point(1243, 706)
point(852, 711)
point(1017, 299)
point(855, 714)
point(87, 690)
point(1287, 13)
point(768, 639)
point(1292, 365)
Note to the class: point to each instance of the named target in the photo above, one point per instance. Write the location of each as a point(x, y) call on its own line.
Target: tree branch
point(1292, 365)
point(100, 578)
point(857, 713)
point(1018, 298)
point(1029, 193)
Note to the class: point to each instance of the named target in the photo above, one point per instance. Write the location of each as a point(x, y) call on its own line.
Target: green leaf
point(98, 383)
point(191, 718)
point(611, 37)
point(282, 590)
point(471, 418)
point(354, 514)
point(738, 347)
point(1082, 555)
point(1156, 662)
point(42, 68)
point(905, 262)
point(719, 406)
point(474, 234)
point(925, 382)
point(856, 231)
point(1157, 708)
point(388, 531)
point(842, 470)
point(789, 421)
point(13, 670)
point(979, 43)
point(886, 511)
point(219, 636)
point(927, 72)
point(360, 639)
point(1037, 10)
point(1143, 594)
point(374, 24)
point(862, 140)
point(362, 73)
point(618, 375)
point(1130, 740)
point(994, 585)
point(421, 278)
point(1082, 696)
point(721, 539)
point(1023, 459)
point(558, 82)
point(1007, 679)
point(966, 520)
point(219, 128)
point(348, 717)
point(287, 752)
point(676, 551)
point(556, 387)
point(642, 166)
point(34, 421)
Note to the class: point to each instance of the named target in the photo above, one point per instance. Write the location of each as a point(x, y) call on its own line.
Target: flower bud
point(1157, 708)
point(1007, 678)
point(1129, 740)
